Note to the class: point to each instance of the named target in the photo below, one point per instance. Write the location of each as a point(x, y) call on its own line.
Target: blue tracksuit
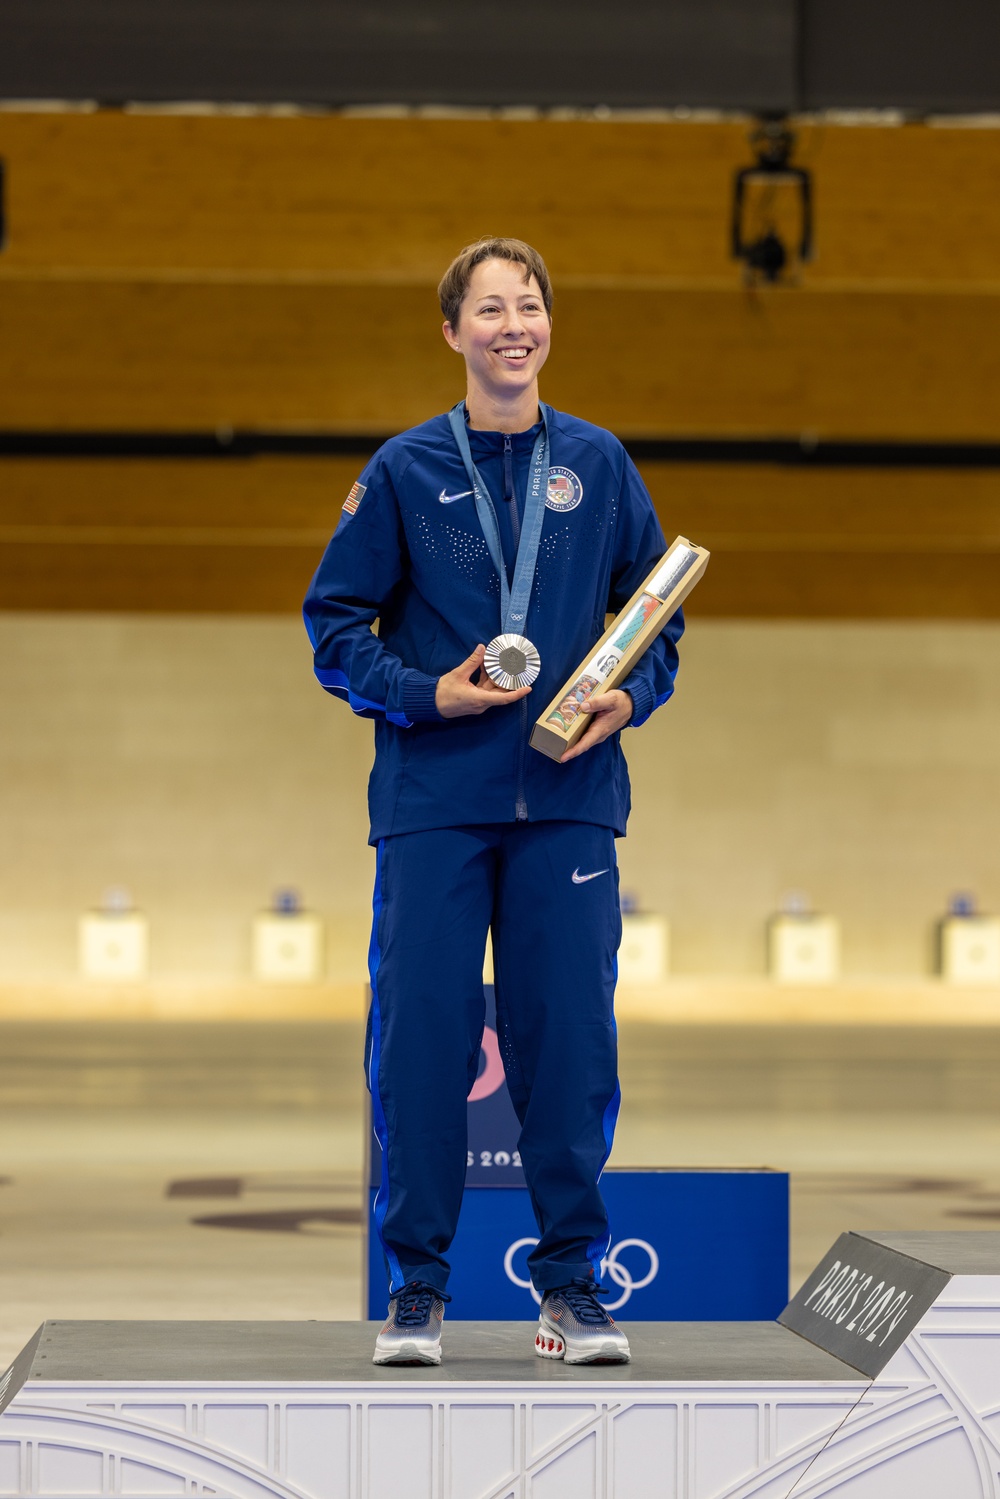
point(476, 830)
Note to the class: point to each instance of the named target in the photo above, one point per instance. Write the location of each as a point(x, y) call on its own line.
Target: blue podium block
point(686, 1245)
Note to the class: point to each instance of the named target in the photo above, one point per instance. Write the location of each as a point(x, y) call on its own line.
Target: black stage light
point(760, 205)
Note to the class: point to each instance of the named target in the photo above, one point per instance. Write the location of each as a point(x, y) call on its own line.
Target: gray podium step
point(245, 1410)
point(970, 1252)
point(475, 1352)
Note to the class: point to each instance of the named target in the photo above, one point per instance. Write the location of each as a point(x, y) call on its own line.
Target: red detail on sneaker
point(551, 1345)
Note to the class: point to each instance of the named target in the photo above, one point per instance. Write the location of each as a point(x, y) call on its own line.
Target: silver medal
point(512, 661)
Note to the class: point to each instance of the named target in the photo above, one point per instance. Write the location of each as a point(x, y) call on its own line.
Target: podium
point(879, 1381)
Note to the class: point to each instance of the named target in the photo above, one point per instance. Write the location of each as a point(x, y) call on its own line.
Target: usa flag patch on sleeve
point(355, 497)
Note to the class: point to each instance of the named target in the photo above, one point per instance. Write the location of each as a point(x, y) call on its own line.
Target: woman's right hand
point(457, 695)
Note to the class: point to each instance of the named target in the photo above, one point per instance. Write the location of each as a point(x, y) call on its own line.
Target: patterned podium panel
point(705, 1411)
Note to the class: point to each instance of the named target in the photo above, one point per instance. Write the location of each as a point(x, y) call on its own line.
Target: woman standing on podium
point(502, 518)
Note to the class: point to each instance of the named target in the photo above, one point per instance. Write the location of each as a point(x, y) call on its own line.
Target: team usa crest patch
point(355, 497)
point(564, 490)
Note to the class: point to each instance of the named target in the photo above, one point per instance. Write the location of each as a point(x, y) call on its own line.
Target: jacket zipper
point(520, 802)
point(508, 488)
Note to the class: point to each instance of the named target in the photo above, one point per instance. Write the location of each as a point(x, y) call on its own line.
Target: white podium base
point(704, 1411)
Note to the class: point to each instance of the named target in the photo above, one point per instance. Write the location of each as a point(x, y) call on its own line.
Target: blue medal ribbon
point(514, 598)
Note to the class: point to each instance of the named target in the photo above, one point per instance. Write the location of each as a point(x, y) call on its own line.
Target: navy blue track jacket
point(409, 551)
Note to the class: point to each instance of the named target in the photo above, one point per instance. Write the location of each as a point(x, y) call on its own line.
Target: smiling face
point(503, 333)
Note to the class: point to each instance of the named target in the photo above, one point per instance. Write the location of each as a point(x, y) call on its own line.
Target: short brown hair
point(455, 281)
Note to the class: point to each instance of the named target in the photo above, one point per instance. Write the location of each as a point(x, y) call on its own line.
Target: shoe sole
point(611, 1353)
point(549, 1343)
point(407, 1353)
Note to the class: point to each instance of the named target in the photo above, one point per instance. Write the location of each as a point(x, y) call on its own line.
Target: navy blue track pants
point(549, 890)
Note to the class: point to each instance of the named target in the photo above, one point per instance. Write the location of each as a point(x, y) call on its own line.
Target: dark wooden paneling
point(230, 536)
point(751, 507)
point(849, 585)
point(398, 198)
point(642, 360)
point(191, 273)
point(156, 579)
point(258, 494)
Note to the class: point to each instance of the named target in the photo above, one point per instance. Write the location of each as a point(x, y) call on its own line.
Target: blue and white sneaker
point(412, 1331)
point(574, 1327)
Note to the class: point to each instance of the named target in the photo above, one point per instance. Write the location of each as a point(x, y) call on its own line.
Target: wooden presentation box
point(620, 647)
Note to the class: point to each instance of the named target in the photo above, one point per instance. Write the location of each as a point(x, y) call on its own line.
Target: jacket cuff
point(418, 698)
point(643, 698)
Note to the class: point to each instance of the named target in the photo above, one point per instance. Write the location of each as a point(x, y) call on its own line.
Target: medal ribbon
point(514, 598)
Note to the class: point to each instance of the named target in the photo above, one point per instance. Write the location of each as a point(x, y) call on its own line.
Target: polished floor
point(214, 1171)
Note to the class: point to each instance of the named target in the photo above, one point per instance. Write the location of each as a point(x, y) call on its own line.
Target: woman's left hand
point(608, 713)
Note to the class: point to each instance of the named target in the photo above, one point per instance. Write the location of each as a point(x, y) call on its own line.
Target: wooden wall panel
point(266, 494)
point(397, 197)
point(851, 585)
point(837, 543)
point(645, 360)
point(170, 273)
point(745, 506)
point(230, 536)
point(166, 535)
point(156, 579)
point(754, 507)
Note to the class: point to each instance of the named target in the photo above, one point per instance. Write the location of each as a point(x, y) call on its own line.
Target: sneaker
point(573, 1326)
point(412, 1331)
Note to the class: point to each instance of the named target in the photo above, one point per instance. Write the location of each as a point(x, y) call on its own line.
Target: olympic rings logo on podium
point(611, 1267)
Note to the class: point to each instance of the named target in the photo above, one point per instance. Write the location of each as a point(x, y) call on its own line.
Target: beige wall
point(858, 762)
point(195, 761)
